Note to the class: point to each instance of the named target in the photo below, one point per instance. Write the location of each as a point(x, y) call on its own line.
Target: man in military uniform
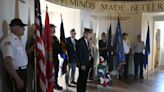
point(15, 57)
point(138, 56)
point(71, 48)
point(56, 51)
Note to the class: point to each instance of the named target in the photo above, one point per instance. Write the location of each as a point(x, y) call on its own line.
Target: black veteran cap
point(87, 30)
point(52, 25)
point(73, 30)
point(17, 22)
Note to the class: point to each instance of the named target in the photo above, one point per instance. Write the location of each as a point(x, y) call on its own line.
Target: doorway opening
point(158, 43)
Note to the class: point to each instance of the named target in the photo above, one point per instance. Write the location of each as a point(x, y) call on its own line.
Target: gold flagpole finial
point(61, 16)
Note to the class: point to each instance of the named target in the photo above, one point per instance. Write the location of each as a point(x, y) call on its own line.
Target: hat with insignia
point(52, 25)
point(73, 31)
point(17, 22)
point(87, 30)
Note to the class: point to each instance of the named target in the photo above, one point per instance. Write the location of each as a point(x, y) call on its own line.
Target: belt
point(139, 53)
point(21, 68)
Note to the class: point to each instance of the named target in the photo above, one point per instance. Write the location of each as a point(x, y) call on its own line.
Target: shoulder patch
point(7, 43)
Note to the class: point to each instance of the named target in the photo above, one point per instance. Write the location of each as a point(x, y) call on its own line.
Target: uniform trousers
point(82, 79)
point(138, 61)
point(12, 84)
point(126, 65)
point(56, 70)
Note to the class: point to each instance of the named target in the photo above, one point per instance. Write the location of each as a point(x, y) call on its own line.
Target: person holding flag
point(138, 56)
point(15, 57)
point(56, 50)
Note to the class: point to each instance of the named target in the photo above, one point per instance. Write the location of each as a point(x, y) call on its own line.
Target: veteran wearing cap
point(71, 48)
point(15, 57)
point(83, 54)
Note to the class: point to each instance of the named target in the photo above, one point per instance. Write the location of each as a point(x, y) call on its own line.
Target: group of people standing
point(16, 57)
point(80, 54)
point(136, 50)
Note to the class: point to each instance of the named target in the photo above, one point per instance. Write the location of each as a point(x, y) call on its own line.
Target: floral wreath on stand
point(103, 75)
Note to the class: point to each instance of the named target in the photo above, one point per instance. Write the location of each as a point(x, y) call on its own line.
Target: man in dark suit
point(83, 54)
point(71, 48)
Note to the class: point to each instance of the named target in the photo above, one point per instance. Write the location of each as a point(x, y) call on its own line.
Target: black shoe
point(91, 79)
point(141, 77)
point(57, 87)
point(120, 77)
point(73, 82)
point(68, 85)
point(126, 77)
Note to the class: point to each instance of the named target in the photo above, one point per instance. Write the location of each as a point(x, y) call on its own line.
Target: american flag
point(40, 50)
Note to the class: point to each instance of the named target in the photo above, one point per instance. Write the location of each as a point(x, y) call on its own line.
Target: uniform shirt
point(139, 47)
point(126, 45)
point(12, 46)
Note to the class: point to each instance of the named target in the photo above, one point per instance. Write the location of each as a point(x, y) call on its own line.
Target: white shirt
point(86, 41)
point(139, 47)
point(88, 48)
point(126, 45)
point(12, 46)
point(73, 42)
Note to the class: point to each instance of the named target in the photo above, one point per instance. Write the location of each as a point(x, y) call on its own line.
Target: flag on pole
point(48, 47)
point(147, 49)
point(109, 47)
point(64, 53)
point(118, 45)
point(40, 50)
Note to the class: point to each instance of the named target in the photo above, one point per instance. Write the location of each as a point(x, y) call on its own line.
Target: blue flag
point(147, 49)
point(118, 45)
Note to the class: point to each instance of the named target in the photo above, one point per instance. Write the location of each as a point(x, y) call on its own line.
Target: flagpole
point(147, 71)
point(147, 57)
point(96, 44)
point(35, 71)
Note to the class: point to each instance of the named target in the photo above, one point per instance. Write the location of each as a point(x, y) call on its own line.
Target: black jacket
point(55, 47)
point(71, 51)
point(82, 52)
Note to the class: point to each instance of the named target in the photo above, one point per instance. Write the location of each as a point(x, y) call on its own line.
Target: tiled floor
point(154, 83)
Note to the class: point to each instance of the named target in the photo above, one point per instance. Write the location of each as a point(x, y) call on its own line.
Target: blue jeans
point(73, 69)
